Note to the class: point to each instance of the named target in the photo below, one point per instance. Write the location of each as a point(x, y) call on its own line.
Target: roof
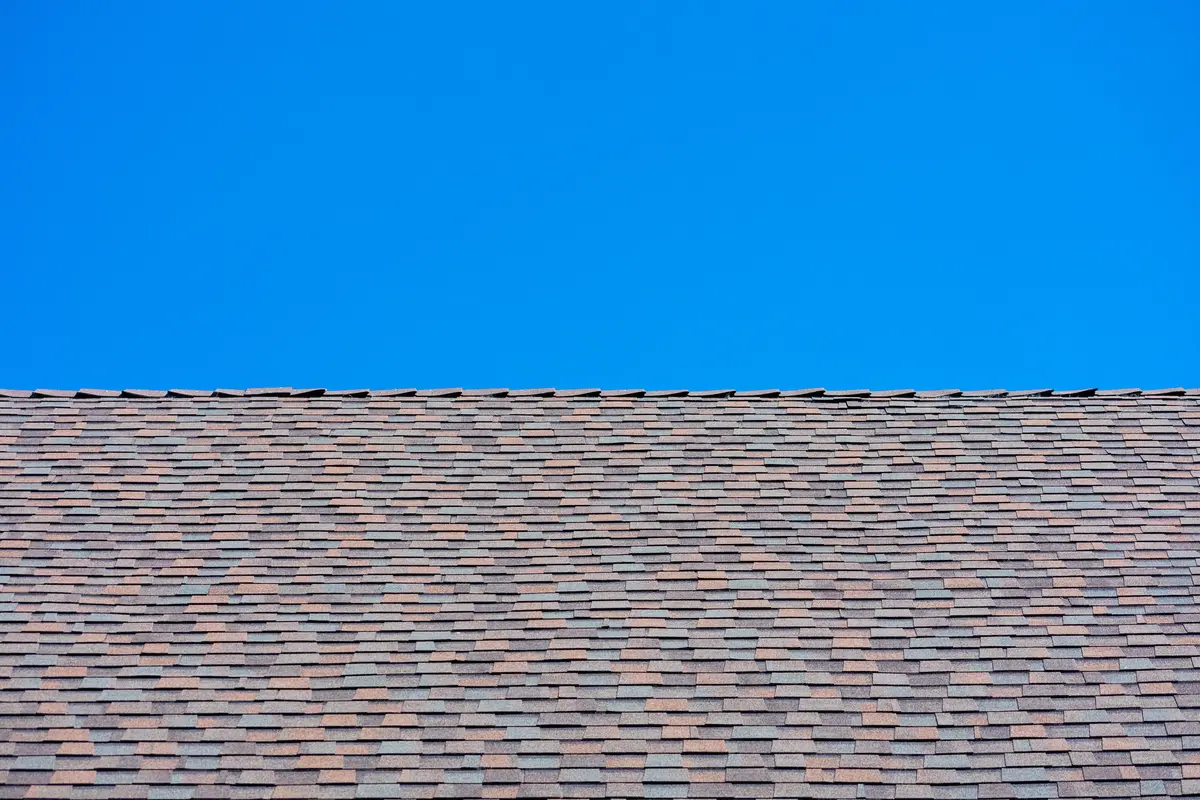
point(288, 391)
point(540, 594)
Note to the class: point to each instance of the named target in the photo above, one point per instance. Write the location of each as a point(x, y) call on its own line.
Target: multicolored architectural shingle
point(306, 594)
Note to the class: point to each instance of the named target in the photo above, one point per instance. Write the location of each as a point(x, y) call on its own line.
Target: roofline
point(813, 394)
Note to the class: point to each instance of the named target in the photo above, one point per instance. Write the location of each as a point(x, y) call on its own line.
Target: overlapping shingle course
point(284, 593)
point(287, 391)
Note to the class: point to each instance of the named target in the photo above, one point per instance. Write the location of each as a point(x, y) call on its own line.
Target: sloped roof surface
point(281, 594)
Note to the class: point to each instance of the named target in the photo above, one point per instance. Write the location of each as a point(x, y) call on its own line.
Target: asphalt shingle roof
point(290, 593)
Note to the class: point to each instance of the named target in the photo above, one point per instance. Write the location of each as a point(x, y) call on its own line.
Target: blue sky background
point(662, 195)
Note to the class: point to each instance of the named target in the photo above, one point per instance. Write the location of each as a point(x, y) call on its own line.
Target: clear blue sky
point(658, 195)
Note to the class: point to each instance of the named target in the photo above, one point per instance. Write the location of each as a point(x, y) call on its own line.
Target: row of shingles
point(816, 393)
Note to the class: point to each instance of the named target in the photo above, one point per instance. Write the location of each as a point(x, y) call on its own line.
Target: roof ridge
point(707, 394)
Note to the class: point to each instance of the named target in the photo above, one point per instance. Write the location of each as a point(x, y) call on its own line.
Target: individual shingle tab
point(583, 593)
